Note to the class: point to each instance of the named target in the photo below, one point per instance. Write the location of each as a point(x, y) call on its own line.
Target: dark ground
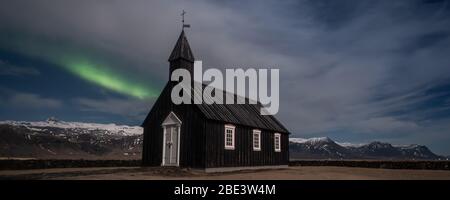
point(158, 173)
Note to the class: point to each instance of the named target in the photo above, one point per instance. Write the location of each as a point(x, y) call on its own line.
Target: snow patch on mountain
point(298, 140)
point(310, 140)
point(348, 144)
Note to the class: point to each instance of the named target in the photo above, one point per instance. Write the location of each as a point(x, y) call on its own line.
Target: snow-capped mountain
point(317, 148)
point(325, 148)
point(59, 139)
point(78, 127)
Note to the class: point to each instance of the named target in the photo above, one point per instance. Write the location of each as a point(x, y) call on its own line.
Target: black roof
point(242, 114)
point(182, 50)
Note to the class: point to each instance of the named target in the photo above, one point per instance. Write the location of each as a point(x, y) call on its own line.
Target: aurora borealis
point(109, 79)
point(99, 71)
point(94, 83)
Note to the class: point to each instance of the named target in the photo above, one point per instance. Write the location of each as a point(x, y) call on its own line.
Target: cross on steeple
point(184, 25)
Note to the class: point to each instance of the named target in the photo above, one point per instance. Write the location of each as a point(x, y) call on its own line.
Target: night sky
point(355, 71)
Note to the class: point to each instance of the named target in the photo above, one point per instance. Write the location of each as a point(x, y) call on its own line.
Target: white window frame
point(277, 135)
point(256, 132)
point(233, 131)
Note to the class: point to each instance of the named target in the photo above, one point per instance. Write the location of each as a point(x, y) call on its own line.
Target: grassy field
point(291, 173)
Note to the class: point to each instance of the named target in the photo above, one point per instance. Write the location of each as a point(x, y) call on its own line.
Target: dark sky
point(355, 71)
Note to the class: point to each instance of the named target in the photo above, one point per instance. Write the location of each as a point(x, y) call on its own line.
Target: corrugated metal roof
point(242, 114)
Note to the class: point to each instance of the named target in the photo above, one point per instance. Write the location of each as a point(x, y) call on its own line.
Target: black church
point(210, 137)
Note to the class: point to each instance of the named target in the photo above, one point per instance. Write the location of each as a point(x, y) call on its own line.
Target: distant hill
point(325, 148)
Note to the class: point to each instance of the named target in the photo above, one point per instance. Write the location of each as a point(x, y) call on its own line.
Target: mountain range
point(326, 148)
point(55, 139)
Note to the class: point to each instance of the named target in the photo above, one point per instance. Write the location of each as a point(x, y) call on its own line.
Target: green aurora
point(108, 79)
point(75, 61)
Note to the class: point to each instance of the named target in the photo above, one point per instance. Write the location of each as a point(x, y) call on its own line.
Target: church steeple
point(182, 49)
point(181, 56)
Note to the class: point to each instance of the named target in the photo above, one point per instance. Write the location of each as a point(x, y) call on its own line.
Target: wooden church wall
point(243, 154)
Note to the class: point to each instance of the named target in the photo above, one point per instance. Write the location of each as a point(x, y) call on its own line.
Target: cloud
point(31, 101)
point(351, 66)
point(7, 69)
point(383, 125)
point(131, 108)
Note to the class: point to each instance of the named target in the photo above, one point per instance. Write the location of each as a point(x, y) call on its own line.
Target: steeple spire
point(181, 56)
point(182, 50)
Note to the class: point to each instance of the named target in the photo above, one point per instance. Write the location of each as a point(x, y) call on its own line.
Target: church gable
point(172, 119)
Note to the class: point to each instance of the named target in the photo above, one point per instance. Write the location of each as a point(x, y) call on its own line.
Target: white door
point(171, 145)
point(171, 140)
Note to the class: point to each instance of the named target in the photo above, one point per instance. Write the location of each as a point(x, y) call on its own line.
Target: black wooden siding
point(243, 154)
